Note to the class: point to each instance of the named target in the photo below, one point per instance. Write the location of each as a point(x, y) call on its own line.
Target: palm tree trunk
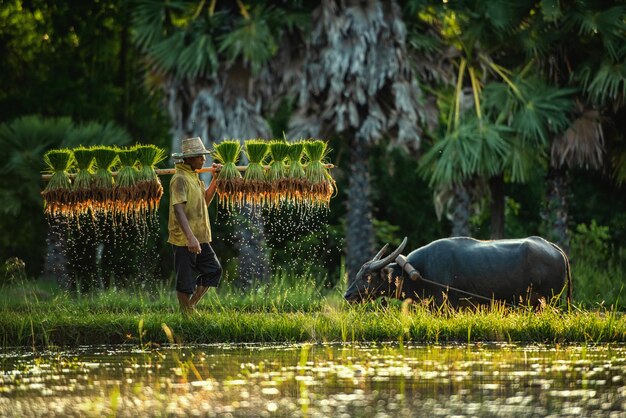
point(461, 211)
point(496, 185)
point(359, 231)
point(554, 214)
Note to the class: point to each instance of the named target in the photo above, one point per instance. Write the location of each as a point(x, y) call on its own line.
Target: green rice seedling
point(126, 202)
point(321, 185)
point(254, 184)
point(57, 194)
point(82, 190)
point(103, 179)
point(296, 175)
point(276, 176)
point(229, 181)
point(149, 187)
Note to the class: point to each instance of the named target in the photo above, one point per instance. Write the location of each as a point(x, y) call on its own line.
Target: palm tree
point(589, 54)
point(357, 84)
point(213, 61)
point(27, 139)
point(492, 116)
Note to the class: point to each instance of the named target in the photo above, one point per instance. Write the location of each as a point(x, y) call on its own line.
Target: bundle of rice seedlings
point(58, 192)
point(82, 191)
point(125, 190)
point(102, 200)
point(321, 185)
point(254, 185)
point(229, 182)
point(149, 188)
point(296, 175)
point(276, 175)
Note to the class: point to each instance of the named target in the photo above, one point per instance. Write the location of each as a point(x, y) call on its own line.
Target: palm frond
point(95, 133)
point(148, 17)
point(476, 147)
point(252, 40)
point(493, 147)
point(606, 83)
point(582, 144)
point(487, 22)
point(522, 158)
point(536, 38)
point(497, 98)
point(608, 23)
point(198, 58)
point(540, 109)
point(26, 140)
point(299, 19)
point(505, 15)
point(165, 53)
point(551, 10)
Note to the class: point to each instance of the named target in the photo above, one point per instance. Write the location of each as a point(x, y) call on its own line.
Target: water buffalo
point(466, 271)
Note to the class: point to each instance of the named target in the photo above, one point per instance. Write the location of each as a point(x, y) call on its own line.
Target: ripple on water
point(258, 380)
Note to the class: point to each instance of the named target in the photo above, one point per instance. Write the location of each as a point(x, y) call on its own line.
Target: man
point(197, 267)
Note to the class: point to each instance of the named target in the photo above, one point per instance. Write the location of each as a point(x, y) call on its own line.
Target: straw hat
point(191, 147)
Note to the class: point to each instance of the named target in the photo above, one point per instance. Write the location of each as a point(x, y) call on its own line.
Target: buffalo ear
point(385, 274)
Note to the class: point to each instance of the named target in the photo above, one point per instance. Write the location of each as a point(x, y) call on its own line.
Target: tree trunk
point(554, 214)
point(461, 210)
point(359, 230)
point(496, 185)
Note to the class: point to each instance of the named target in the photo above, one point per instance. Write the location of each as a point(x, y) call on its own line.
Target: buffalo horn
point(378, 264)
point(380, 253)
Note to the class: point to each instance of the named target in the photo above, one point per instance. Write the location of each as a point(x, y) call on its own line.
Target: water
point(298, 240)
point(322, 380)
point(102, 250)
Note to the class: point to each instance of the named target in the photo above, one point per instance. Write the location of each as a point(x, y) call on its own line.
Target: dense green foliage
point(69, 77)
point(510, 89)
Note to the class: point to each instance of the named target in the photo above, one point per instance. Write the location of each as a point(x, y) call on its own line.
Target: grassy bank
point(35, 315)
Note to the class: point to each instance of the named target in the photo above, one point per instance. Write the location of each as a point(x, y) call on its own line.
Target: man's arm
point(193, 245)
point(210, 191)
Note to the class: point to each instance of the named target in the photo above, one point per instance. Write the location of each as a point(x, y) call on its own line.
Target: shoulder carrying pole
point(169, 171)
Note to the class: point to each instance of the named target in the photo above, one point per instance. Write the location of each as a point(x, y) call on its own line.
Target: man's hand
point(216, 168)
point(210, 190)
point(193, 245)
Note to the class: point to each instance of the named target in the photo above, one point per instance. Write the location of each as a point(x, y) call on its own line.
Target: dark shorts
point(193, 270)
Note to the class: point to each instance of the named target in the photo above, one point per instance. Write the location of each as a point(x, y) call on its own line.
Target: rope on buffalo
point(415, 275)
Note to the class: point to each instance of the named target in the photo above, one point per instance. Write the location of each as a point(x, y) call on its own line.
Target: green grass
point(39, 315)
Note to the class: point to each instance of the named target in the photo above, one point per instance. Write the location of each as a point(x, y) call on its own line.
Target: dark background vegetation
point(76, 59)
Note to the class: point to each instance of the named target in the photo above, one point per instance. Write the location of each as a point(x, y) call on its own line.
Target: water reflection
point(317, 380)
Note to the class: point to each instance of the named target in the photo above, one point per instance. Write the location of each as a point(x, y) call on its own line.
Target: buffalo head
point(369, 281)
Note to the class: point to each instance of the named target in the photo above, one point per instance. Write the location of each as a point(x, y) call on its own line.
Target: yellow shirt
point(186, 187)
